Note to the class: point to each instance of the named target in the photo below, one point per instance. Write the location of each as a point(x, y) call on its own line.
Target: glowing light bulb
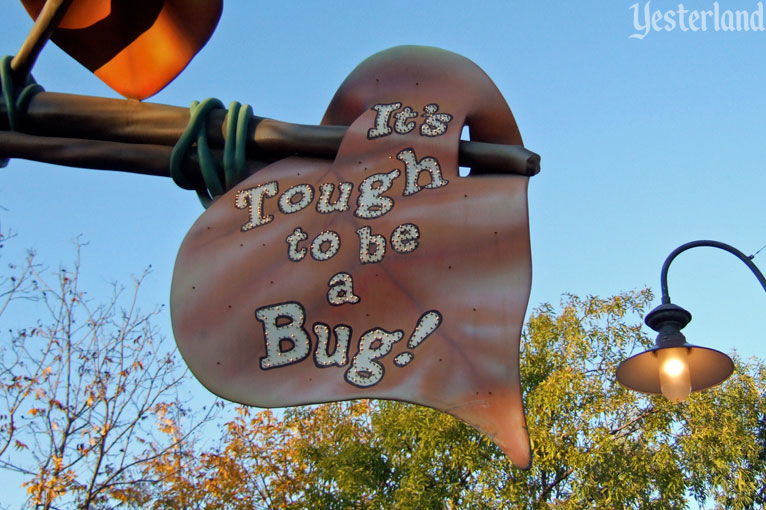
point(675, 381)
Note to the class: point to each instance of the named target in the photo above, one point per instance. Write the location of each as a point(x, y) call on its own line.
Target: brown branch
point(559, 478)
point(96, 154)
point(147, 128)
point(49, 18)
point(632, 422)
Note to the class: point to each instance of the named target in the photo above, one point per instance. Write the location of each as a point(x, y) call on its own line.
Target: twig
point(49, 18)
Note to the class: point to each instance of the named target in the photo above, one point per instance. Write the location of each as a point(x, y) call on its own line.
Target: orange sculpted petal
point(135, 47)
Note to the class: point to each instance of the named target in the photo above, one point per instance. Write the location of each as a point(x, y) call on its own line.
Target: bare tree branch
point(88, 396)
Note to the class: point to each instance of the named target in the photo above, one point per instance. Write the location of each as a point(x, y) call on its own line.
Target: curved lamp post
point(674, 367)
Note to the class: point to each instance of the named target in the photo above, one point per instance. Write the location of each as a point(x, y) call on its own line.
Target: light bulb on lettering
point(675, 381)
point(427, 324)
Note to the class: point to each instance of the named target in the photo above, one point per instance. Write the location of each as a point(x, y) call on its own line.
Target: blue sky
point(645, 143)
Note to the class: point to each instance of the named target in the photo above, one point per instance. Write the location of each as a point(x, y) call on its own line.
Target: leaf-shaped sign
point(382, 274)
point(135, 46)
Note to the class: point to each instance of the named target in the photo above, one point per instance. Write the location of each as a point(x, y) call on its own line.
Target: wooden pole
point(49, 18)
point(66, 127)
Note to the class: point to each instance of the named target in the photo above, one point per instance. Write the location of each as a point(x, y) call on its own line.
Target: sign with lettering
point(381, 274)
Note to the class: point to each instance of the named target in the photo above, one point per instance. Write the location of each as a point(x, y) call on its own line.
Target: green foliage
point(91, 418)
point(596, 445)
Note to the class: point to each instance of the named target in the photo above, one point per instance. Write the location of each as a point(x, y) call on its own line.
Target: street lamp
point(674, 367)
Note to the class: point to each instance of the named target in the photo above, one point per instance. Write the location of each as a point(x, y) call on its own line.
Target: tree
point(88, 393)
point(596, 445)
point(90, 414)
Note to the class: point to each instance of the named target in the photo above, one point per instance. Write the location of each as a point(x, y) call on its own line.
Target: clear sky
point(645, 143)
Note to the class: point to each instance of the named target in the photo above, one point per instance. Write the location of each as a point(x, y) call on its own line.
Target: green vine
point(215, 181)
point(15, 103)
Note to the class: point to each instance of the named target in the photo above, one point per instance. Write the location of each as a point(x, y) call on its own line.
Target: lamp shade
point(674, 367)
point(707, 367)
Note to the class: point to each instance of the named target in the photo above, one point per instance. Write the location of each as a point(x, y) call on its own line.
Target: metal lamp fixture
point(675, 367)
